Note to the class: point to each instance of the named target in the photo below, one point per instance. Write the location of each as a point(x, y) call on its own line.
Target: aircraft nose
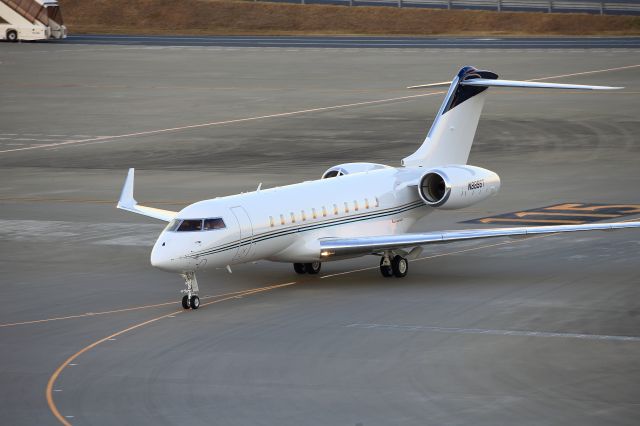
point(160, 256)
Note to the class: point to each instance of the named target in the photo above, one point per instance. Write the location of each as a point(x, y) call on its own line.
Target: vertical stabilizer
point(450, 138)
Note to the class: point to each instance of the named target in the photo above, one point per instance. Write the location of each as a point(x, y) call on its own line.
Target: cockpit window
point(173, 225)
point(188, 225)
point(214, 223)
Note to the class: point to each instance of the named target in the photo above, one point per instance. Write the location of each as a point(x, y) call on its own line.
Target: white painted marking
point(519, 333)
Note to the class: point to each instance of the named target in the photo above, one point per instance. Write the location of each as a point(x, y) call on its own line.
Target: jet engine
point(351, 168)
point(457, 186)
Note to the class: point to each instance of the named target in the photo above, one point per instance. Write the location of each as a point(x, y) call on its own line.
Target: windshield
point(192, 225)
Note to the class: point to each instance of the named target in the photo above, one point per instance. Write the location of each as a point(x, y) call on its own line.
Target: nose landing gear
point(190, 298)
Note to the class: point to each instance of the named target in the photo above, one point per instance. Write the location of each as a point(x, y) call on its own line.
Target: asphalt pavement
point(541, 331)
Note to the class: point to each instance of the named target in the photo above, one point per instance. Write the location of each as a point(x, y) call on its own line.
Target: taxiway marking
point(115, 311)
point(485, 331)
point(54, 377)
point(50, 384)
point(106, 139)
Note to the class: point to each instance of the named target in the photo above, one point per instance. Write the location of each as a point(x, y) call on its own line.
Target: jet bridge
point(31, 20)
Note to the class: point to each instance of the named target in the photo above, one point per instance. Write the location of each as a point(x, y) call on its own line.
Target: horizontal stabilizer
point(128, 203)
point(484, 82)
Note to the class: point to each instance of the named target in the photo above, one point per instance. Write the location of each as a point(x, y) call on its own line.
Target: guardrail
point(630, 7)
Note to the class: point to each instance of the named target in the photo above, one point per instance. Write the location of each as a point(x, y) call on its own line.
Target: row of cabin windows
point(324, 212)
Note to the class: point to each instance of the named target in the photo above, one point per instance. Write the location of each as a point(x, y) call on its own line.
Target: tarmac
point(541, 331)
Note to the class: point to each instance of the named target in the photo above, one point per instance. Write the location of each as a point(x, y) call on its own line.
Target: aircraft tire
point(185, 302)
point(400, 266)
point(299, 268)
point(385, 270)
point(195, 302)
point(312, 268)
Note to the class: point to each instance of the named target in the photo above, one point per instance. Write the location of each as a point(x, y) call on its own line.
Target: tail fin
point(451, 135)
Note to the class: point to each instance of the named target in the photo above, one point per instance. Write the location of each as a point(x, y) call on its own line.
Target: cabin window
point(346, 207)
point(271, 221)
point(189, 225)
point(324, 211)
point(213, 223)
point(293, 218)
point(355, 205)
point(281, 219)
point(304, 216)
point(335, 209)
point(366, 203)
point(313, 212)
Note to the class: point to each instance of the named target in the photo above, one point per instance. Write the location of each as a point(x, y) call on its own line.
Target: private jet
point(354, 209)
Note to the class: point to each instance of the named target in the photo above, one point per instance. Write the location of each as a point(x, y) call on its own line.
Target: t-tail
point(451, 135)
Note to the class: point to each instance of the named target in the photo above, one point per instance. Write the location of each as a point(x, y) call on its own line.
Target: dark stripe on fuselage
point(293, 230)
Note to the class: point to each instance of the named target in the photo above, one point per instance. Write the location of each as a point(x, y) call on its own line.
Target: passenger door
point(245, 227)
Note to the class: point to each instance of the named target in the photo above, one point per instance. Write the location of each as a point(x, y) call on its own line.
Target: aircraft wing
point(331, 247)
point(128, 203)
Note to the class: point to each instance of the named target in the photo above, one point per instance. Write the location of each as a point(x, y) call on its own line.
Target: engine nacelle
point(351, 168)
point(456, 187)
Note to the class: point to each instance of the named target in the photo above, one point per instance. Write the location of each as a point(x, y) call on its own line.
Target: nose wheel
point(190, 298)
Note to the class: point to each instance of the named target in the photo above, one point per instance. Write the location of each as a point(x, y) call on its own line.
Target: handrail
point(29, 9)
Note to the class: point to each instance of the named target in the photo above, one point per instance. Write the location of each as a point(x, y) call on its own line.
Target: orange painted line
point(54, 377)
point(103, 139)
point(629, 208)
point(586, 72)
point(56, 374)
point(523, 214)
point(114, 311)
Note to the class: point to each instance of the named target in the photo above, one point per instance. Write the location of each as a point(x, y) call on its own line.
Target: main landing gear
point(190, 298)
point(307, 268)
point(394, 266)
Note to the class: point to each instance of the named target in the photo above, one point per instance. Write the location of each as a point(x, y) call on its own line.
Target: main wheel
point(195, 302)
point(12, 35)
point(185, 302)
point(400, 266)
point(385, 270)
point(312, 268)
point(299, 268)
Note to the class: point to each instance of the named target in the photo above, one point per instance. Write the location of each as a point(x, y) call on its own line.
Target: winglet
point(126, 197)
point(128, 203)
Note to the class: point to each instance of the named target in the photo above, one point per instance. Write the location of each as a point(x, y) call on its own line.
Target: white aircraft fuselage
point(356, 209)
point(286, 223)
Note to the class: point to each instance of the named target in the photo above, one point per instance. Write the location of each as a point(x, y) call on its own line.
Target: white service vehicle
point(31, 20)
point(354, 210)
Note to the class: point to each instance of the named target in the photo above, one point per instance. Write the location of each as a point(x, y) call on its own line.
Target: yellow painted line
point(586, 72)
point(508, 220)
point(601, 215)
point(56, 373)
point(102, 139)
point(629, 208)
point(114, 311)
